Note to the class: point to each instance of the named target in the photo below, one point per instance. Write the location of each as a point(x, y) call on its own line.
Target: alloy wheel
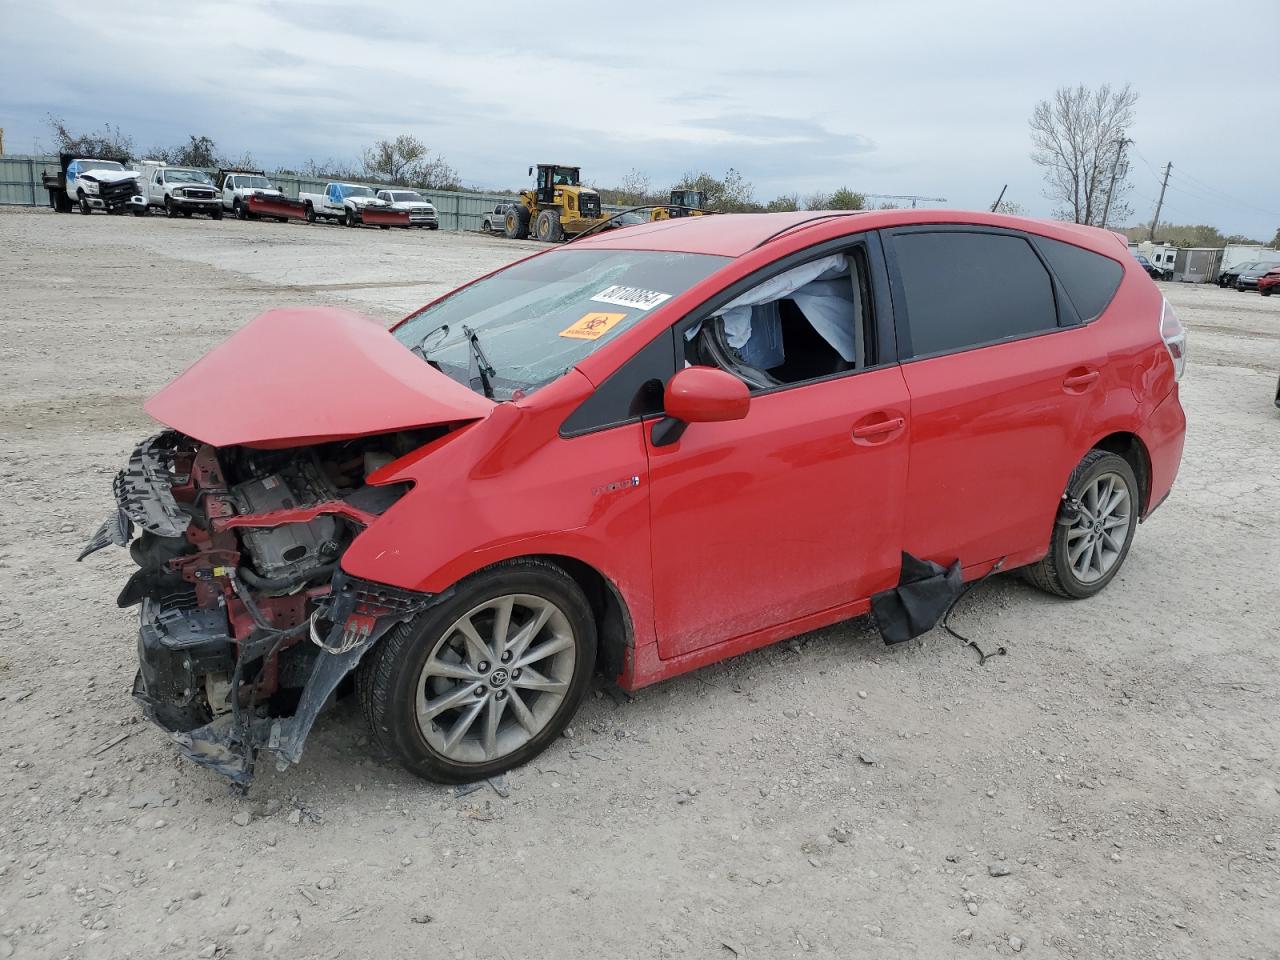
point(1096, 540)
point(496, 678)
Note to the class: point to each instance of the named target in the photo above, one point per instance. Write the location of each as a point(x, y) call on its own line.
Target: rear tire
point(422, 686)
point(517, 223)
point(1266, 292)
point(1086, 555)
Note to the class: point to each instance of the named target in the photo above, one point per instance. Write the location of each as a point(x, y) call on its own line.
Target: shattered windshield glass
point(537, 319)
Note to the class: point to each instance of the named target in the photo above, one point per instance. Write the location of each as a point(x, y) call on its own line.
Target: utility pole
point(1115, 172)
point(1151, 235)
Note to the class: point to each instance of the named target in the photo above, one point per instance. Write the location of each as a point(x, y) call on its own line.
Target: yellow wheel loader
point(683, 203)
point(556, 208)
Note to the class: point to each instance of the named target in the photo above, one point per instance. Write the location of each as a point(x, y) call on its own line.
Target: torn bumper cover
point(175, 648)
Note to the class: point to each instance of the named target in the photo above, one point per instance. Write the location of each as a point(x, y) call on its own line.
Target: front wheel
point(310, 213)
point(84, 205)
point(351, 219)
point(485, 681)
point(170, 210)
point(1088, 547)
point(1266, 292)
point(216, 214)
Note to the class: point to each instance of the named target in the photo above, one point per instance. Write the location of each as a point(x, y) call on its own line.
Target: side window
point(813, 320)
point(230, 184)
point(1089, 279)
point(964, 289)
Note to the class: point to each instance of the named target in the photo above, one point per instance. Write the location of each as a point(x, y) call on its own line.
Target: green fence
point(20, 185)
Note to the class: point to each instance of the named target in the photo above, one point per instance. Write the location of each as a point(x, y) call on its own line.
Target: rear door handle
point(1078, 381)
point(871, 431)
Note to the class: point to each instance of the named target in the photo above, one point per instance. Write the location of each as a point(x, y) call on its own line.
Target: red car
point(1268, 282)
point(634, 455)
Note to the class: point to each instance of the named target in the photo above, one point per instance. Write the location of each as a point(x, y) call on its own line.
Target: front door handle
point(881, 428)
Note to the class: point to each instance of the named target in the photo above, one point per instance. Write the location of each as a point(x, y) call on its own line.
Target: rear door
point(1005, 377)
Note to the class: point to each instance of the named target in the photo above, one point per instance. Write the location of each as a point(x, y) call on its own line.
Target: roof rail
point(806, 222)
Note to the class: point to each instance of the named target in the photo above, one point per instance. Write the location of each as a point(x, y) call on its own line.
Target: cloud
point(916, 97)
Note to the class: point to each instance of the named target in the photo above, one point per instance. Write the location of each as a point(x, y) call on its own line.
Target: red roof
point(733, 234)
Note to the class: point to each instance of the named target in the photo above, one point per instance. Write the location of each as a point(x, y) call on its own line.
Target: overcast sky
point(927, 98)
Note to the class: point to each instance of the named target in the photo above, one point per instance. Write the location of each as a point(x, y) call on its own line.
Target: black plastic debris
point(925, 592)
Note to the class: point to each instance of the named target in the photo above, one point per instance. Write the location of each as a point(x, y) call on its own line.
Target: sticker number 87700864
point(633, 297)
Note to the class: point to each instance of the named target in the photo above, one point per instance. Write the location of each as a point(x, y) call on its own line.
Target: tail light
point(1174, 336)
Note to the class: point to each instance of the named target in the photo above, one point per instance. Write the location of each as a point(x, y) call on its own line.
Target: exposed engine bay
point(247, 623)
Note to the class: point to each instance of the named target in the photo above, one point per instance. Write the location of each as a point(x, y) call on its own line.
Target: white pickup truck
point(341, 201)
point(181, 190)
point(422, 212)
point(239, 185)
point(89, 184)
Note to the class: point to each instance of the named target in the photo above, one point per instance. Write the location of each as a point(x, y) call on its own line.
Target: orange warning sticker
point(592, 326)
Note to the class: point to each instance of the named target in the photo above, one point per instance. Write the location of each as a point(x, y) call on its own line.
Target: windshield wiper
point(479, 370)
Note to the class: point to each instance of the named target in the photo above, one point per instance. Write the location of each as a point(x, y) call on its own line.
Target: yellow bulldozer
point(557, 207)
point(683, 203)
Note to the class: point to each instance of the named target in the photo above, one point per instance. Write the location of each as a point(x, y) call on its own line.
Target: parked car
point(1248, 279)
point(496, 220)
point(89, 184)
point(638, 454)
point(182, 191)
point(1154, 272)
point(1269, 282)
point(345, 202)
point(1227, 278)
point(236, 186)
point(422, 213)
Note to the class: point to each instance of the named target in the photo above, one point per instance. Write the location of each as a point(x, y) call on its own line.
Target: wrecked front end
point(247, 623)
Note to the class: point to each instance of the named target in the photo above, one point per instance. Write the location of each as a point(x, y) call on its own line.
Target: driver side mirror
point(699, 395)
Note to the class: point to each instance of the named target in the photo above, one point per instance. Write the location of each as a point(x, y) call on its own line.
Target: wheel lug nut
point(515, 674)
point(481, 691)
point(502, 694)
point(506, 657)
point(482, 666)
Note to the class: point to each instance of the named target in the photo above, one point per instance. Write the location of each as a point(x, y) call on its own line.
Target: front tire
point(217, 214)
point(169, 210)
point(1087, 553)
point(485, 681)
point(84, 205)
point(351, 219)
point(548, 226)
point(310, 213)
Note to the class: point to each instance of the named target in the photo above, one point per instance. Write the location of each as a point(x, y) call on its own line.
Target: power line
point(1216, 196)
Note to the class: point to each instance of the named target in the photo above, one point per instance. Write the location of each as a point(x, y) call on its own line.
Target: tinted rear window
point(1090, 279)
point(966, 289)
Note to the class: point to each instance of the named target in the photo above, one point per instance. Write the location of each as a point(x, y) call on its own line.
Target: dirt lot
point(1108, 789)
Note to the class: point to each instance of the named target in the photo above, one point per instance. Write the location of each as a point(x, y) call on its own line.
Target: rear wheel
point(517, 222)
point(1265, 291)
point(485, 681)
point(548, 226)
point(1086, 553)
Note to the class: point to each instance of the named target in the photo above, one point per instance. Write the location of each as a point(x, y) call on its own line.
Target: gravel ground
point(1108, 789)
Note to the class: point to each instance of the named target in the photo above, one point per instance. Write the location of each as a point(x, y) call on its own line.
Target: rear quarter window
point(967, 289)
point(1089, 279)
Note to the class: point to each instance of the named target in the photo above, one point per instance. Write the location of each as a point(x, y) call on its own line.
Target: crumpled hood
point(303, 375)
point(111, 176)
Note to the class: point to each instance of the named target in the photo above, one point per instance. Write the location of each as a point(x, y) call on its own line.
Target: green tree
point(732, 193)
point(846, 199)
point(786, 203)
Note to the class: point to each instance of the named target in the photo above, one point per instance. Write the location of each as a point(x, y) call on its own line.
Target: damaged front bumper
point(232, 660)
point(178, 650)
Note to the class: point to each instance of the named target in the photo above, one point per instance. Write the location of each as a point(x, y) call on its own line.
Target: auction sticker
point(592, 326)
point(633, 297)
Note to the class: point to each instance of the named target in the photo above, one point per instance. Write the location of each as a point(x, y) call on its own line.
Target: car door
point(794, 510)
point(155, 187)
point(1004, 380)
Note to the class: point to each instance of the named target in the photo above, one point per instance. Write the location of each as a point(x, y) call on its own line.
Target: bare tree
point(199, 151)
point(107, 142)
point(1014, 209)
point(406, 160)
point(732, 193)
point(1078, 139)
